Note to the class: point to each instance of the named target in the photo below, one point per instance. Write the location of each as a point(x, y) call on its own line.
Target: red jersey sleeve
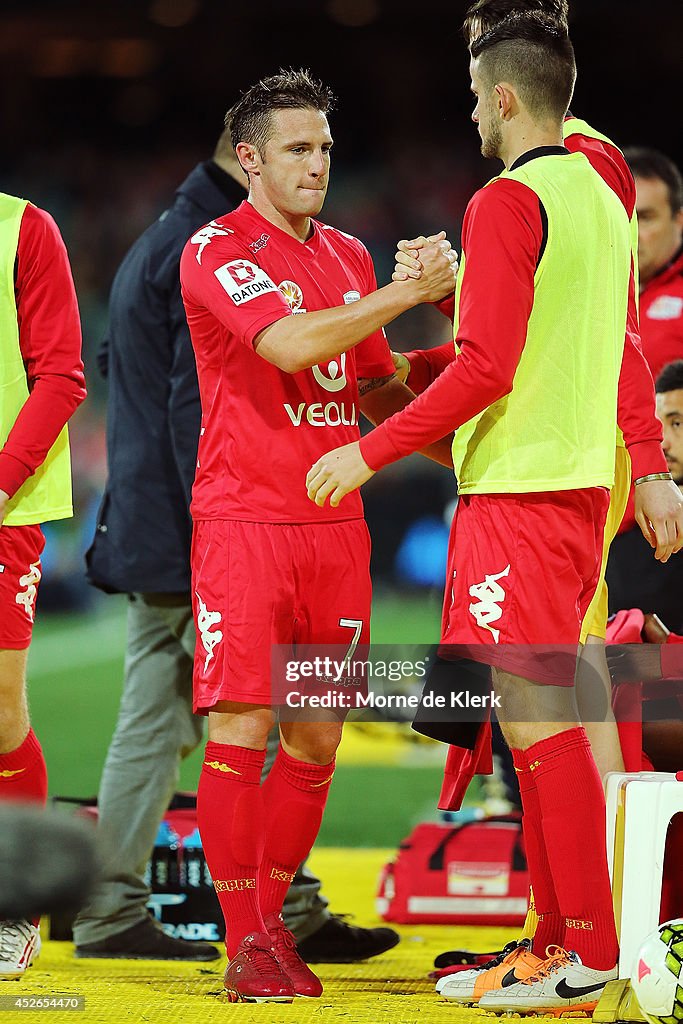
point(50, 344)
point(373, 356)
point(447, 306)
point(502, 238)
point(426, 365)
point(224, 278)
point(636, 402)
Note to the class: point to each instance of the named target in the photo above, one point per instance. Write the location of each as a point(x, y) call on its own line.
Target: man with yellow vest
point(41, 383)
point(541, 305)
point(638, 454)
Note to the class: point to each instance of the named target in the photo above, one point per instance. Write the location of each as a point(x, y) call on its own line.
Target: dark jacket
point(143, 534)
point(636, 580)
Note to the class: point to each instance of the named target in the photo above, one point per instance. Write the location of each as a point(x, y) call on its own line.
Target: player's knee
point(240, 726)
point(13, 680)
point(315, 742)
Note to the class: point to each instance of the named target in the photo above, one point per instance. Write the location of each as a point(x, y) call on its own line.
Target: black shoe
point(337, 942)
point(147, 941)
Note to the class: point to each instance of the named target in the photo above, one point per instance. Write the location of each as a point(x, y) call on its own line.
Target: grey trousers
point(154, 731)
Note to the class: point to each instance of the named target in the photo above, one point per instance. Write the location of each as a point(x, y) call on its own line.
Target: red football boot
point(254, 974)
point(304, 981)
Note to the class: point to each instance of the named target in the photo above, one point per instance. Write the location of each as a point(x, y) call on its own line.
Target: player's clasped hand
point(336, 474)
point(408, 256)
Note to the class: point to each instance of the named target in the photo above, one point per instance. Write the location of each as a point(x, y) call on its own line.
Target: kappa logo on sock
point(27, 597)
point(221, 766)
point(281, 876)
point(490, 595)
point(7, 773)
point(234, 884)
point(209, 637)
point(576, 922)
point(319, 785)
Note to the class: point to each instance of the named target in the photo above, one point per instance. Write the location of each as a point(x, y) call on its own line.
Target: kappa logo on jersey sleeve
point(244, 281)
point(204, 236)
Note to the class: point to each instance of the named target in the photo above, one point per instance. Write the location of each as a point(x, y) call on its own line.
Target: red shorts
point(522, 569)
point(20, 572)
point(255, 585)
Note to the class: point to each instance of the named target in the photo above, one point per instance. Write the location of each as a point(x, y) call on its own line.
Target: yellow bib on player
point(556, 429)
point(575, 126)
point(47, 492)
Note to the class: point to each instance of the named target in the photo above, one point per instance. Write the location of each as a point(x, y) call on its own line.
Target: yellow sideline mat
point(392, 987)
point(388, 743)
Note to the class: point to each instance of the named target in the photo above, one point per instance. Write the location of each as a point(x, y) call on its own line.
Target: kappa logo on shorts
point(490, 596)
point(27, 597)
point(209, 637)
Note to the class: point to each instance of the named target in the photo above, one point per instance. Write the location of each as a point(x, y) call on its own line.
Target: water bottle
point(174, 856)
point(159, 867)
point(193, 863)
point(165, 865)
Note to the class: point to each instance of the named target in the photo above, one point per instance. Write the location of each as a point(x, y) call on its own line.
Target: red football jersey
point(661, 316)
point(262, 428)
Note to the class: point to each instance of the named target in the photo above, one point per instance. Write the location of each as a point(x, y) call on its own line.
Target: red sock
point(23, 774)
point(230, 819)
point(294, 796)
point(572, 803)
point(550, 928)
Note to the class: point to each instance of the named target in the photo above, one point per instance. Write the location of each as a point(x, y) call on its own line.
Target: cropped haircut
point(534, 54)
point(651, 164)
point(671, 378)
point(483, 15)
point(250, 119)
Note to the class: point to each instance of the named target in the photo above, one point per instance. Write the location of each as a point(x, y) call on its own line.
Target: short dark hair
point(650, 164)
point(533, 52)
point(250, 119)
point(487, 13)
point(670, 378)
